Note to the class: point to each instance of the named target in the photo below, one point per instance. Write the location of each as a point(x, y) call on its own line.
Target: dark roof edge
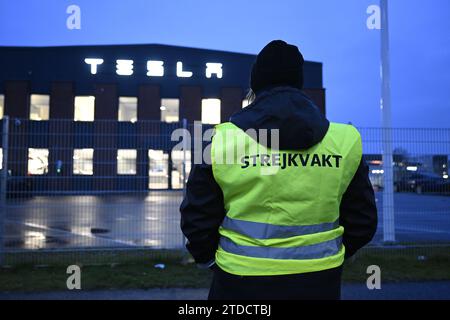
point(140, 45)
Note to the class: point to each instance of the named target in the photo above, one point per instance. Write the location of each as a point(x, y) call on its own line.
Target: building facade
point(99, 118)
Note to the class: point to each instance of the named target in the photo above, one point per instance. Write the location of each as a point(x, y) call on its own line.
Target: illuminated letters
point(155, 68)
point(214, 68)
point(181, 73)
point(124, 67)
point(93, 62)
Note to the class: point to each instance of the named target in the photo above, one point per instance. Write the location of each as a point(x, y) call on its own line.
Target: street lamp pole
point(388, 181)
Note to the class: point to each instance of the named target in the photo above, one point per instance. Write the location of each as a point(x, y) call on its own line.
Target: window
point(1, 158)
point(245, 103)
point(126, 161)
point(39, 107)
point(84, 108)
point(169, 110)
point(2, 105)
point(37, 161)
point(177, 168)
point(210, 111)
point(83, 161)
point(128, 109)
point(158, 169)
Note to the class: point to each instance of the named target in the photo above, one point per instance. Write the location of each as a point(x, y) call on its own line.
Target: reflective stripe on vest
point(313, 251)
point(258, 230)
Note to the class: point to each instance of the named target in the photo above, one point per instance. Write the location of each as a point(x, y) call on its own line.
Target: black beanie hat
point(278, 63)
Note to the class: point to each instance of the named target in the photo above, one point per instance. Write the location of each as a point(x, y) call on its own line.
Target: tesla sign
point(155, 68)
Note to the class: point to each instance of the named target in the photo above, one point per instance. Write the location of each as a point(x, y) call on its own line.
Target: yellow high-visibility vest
point(282, 206)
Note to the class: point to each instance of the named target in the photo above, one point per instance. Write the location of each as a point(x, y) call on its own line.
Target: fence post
point(3, 186)
point(185, 136)
point(388, 188)
point(388, 179)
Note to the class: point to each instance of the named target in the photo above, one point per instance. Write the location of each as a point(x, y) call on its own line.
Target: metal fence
point(107, 186)
point(420, 193)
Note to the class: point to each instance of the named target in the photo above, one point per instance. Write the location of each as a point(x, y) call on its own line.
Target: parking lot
point(95, 221)
point(152, 220)
point(418, 218)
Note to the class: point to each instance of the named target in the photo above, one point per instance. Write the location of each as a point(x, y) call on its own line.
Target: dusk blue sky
point(332, 32)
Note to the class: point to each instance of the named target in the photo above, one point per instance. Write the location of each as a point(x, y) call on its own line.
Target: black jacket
point(301, 125)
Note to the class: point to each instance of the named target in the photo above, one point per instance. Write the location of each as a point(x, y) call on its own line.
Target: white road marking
point(80, 234)
point(422, 230)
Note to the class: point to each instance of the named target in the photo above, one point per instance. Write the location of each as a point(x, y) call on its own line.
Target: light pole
point(388, 181)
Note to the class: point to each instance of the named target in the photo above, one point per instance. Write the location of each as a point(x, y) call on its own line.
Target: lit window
point(178, 157)
point(37, 161)
point(2, 105)
point(210, 111)
point(126, 161)
point(128, 109)
point(158, 169)
point(83, 163)
point(39, 107)
point(1, 158)
point(169, 110)
point(245, 103)
point(84, 108)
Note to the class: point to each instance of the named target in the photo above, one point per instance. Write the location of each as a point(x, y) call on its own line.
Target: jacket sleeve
point(358, 211)
point(202, 212)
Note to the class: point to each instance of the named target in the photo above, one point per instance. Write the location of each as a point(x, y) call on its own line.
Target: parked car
point(376, 177)
point(421, 182)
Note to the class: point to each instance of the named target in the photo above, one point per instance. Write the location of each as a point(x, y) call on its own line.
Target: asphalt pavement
point(153, 220)
point(436, 290)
